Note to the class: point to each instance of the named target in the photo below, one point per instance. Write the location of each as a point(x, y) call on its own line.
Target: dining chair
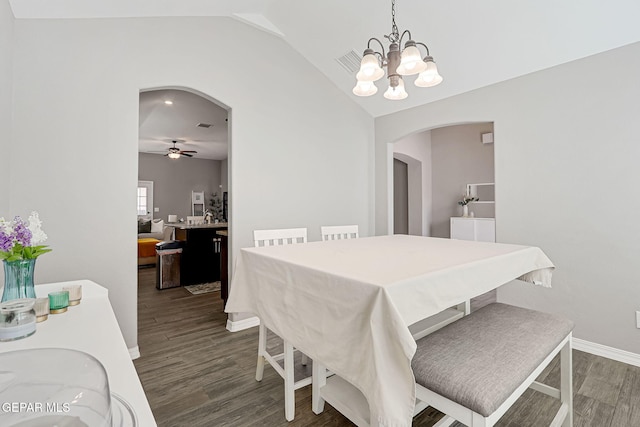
point(336, 232)
point(278, 237)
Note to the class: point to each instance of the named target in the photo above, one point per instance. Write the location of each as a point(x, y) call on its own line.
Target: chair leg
point(566, 382)
point(262, 348)
point(319, 381)
point(289, 386)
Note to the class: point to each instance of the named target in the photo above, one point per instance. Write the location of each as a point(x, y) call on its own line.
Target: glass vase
point(465, 211)
point(18, 279)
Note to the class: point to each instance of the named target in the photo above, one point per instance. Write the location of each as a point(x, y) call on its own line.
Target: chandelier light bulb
point(364, 88)
point(370, 69)
point(411, 61)
point(430, 77)
point(396, 93)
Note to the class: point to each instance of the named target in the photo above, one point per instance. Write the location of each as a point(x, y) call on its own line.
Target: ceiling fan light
point(364, 88)
point(396, 93)
point(411, 61)
point(173, 155)
point(370, 69)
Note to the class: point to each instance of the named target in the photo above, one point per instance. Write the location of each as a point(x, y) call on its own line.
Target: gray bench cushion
point(482, 358)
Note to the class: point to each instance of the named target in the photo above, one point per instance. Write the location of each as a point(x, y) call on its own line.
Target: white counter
point(91, 327)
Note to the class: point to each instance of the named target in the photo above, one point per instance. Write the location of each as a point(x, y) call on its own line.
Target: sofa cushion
point(144, 226)
point(157, 226)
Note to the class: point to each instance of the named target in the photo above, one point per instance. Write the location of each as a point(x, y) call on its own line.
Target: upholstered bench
point(474, 369)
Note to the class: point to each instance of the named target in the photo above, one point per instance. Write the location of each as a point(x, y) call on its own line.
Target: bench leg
point(262, 348)
point(566, 382)
point(479, 421)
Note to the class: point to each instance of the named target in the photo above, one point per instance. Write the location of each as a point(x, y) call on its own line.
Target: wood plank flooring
point(196, 373)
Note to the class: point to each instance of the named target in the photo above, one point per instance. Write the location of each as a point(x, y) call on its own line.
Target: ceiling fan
point(175, 152)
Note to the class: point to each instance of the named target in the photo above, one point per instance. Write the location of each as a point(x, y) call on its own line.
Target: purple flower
point(6, 241)
point(21, 233)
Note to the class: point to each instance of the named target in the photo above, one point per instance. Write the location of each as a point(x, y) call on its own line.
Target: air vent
point(204, 125)
point(350, 61)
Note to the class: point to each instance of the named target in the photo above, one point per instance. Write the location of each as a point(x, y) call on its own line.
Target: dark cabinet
point(200, 261)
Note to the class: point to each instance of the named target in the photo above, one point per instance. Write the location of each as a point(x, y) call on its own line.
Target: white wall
point(566, 164)
point(6, 65)
point(76, 88)
point(418, 147)
point(175, 179)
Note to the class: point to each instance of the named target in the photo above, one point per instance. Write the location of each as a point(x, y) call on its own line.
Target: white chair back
point(283, 236)
point(337, 232)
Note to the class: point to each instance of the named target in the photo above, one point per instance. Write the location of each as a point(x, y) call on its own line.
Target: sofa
point(150, 233)
point(154, 229)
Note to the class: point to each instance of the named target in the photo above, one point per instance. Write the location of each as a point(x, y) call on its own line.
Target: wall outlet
point(156, 209)
point(638, 319)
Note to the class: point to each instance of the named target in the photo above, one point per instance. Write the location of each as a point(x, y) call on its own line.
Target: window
point(142, 201)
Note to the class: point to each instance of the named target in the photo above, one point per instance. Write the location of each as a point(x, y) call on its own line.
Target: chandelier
point(409, 62)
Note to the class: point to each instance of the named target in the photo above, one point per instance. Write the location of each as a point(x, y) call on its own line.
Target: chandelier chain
point(394, 36)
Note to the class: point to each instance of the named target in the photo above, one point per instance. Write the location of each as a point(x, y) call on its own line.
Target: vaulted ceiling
point(475, 43)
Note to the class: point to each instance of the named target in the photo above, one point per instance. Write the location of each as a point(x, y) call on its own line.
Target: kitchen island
point(200, 262)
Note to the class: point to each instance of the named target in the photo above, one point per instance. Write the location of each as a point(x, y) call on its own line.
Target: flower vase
point(18, 279)
point(465, 211)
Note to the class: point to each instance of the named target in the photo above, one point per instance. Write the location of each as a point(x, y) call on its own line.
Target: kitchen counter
point(185, 226)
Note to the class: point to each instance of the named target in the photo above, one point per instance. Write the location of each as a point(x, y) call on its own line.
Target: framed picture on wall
point(197, 203)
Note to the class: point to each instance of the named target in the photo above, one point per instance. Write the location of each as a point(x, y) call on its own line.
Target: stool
point(474, 369)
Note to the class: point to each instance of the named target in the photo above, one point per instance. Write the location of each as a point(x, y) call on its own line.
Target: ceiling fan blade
point(186, 155)
point(188, 151)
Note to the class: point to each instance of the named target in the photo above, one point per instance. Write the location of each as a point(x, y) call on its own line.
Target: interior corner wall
point(79, 81)
point(418, 148)
point(175, 179)
point(459, 158)
point(6, 72)
point(566, 150)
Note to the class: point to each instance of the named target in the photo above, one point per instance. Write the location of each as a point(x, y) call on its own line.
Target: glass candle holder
point(42, 309)
point(58, 302)
point(17, 319)
point(75, 293)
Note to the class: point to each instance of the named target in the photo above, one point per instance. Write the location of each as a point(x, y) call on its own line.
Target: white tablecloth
point(348, 303)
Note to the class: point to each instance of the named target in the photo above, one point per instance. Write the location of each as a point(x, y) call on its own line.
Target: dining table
point(349, 304)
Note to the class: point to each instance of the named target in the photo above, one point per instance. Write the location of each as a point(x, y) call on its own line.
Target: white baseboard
point(240, 325)
point(608, 352)
point(134, 352)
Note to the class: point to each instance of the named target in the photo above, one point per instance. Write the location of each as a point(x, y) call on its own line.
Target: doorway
point(183, 149)
point(400, 197)
point(444, 161)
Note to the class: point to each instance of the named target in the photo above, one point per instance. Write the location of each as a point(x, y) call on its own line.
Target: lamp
point(409, 62)
point(174, 155)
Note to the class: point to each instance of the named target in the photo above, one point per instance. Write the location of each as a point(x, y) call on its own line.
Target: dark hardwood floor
point(196, 373)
